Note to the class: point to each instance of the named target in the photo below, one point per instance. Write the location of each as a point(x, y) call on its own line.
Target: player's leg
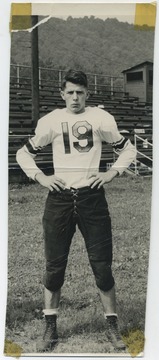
point(51, 299)
point(108, 300)
point(95, 225)
point(50, 338)
point(58, 232)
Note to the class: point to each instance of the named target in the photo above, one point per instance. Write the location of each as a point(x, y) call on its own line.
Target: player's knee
point(54, 276)
point(104, 278)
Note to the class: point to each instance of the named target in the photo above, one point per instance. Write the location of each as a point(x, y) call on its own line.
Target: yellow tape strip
point(145, 14)
point(21, 9)
point(12, 349)
point(20, 16)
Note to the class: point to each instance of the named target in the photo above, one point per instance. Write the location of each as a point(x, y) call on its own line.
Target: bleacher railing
point(146, 145)
point(21, 74)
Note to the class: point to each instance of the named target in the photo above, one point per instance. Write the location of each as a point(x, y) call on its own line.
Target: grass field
point(81, 325)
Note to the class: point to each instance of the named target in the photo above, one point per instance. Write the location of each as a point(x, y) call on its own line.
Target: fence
point(20, 75)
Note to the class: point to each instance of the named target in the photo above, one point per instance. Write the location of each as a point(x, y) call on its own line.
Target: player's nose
point(75, 96)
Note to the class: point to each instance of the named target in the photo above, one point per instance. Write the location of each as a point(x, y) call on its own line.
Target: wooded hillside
point(88, 43)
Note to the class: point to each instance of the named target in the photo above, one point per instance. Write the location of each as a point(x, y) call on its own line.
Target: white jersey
point(76, 144)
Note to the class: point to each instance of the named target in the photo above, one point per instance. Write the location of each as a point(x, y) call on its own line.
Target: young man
point(77, 196)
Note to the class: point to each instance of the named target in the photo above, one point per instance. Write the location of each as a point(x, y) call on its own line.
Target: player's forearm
point(27, 163)
point(113, 172)
point(126, 157)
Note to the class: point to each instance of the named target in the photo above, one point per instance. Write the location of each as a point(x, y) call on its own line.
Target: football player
point(76, 196)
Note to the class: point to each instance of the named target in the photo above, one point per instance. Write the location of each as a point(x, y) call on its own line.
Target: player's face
point(75, 97)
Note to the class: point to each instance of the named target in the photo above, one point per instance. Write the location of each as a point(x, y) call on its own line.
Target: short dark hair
point(75, 77)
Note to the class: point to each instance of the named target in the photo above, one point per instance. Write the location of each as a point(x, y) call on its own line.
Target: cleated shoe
point(113, 333)
point(50, 337)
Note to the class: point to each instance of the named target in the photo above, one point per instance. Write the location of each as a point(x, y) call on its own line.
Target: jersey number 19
point(82, 130)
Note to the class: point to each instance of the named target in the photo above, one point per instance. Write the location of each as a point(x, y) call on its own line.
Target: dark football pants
point(89, 210)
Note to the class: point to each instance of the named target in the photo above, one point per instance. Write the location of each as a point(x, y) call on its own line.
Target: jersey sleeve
point(121, 146)
point(26, 155)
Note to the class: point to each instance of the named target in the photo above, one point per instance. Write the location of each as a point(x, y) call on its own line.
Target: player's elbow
point(134, 152)
point(19, 155)
point(131, 150)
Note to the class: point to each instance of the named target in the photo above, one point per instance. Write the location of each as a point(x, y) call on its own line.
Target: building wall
point(149, 87)
point(136, 88)
point(149, 94)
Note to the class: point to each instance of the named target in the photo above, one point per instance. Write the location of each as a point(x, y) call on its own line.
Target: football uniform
point(76, 144)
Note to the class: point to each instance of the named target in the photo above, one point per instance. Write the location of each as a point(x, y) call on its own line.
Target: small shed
point(138, 81)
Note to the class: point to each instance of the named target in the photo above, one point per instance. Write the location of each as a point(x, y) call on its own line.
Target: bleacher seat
point(129, 114)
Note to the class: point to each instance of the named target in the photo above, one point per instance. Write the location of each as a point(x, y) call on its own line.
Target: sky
point(123, 12)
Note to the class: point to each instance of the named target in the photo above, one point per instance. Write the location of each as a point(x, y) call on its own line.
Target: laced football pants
point(88, 209)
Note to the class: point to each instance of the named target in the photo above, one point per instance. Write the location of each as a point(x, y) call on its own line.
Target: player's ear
point(62, 94)
point(88, 94)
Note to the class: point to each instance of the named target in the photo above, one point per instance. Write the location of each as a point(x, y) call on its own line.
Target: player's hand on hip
point(51, 182)
point(102, 178)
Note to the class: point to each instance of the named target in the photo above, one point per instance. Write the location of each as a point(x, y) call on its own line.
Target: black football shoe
point(50, 338)
point(113, 333)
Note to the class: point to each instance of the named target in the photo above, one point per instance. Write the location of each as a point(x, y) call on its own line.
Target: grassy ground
point(81, 325)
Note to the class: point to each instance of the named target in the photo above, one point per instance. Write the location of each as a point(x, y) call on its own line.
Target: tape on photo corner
point(20, 16)
point(145, 14)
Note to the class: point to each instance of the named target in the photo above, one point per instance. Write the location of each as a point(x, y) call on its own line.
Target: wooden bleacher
point(130, 115)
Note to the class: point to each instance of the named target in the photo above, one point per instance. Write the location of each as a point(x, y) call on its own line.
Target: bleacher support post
point(135, 143)
point(40, 81)
point(18, 75)
point(112, 86)
point(95, 84)
point(35, 72)
point(60, 79)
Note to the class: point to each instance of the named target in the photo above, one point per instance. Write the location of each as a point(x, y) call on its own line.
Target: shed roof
point(138, 66)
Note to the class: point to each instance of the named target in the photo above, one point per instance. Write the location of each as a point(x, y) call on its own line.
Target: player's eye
point(80, 93)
